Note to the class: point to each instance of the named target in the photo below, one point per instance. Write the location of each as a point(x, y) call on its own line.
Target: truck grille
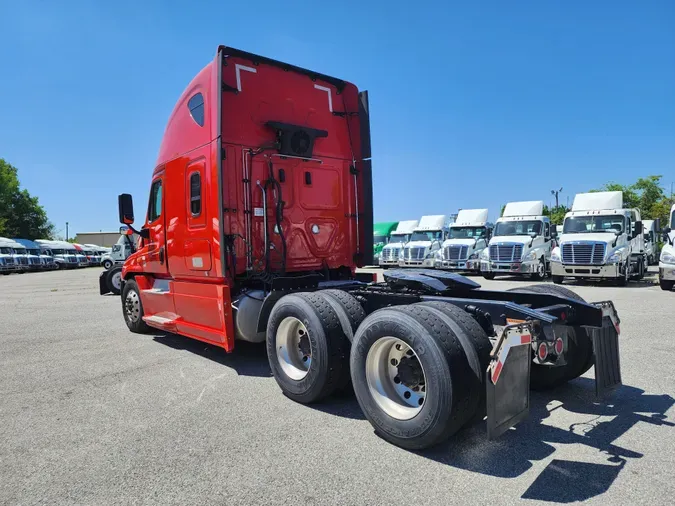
point(22, 261)
point(455, 252)
point(390, 254)
point(414, 253)
point(506, 252)
point(591, 253)
point(34, 261)
point(9, 261)
point(72, 260)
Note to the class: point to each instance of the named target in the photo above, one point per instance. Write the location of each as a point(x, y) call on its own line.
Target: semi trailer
point(521, 243)
point(260, 212)
point(667, 257)
point(391, 253)
point(467, 238)
point(600, 240)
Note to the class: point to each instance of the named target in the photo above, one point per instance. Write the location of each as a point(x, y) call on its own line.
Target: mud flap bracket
point(508, 380)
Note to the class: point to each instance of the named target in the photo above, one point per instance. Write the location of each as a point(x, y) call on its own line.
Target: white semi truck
point(425, 241)
point(521, 243)
point(601, 240)
point(650, 230)
point(667, 258)
point(397, 240)
point(467, 238)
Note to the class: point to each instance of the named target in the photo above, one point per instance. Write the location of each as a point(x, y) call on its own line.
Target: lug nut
point(397, 380)
point(394, 361)
point(406, 394)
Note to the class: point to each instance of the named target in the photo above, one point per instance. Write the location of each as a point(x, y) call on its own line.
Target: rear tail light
point(558, 346)
point(542, 351)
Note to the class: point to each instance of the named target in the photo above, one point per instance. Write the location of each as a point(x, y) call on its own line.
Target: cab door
point(155, 259)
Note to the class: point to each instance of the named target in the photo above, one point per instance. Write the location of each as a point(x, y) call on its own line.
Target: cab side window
point(195, 194)
point(155, 207)
point(547, 230)
point(196, 107)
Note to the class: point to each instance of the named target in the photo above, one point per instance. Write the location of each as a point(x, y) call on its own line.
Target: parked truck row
point(600, 240)
point(22, 255)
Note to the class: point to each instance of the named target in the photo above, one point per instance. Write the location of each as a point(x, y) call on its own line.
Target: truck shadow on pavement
point(248, 359)
point(561, 481)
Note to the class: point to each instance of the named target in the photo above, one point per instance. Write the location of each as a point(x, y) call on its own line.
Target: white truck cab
point(397, 240)
point(521, 242)
point(600, 239)
point(650, 232)
point(7, 262)
point(124, 247)
point(63, 256)
point(466, 240)
point(667, 258)
point(425, 241)
point(19, 253)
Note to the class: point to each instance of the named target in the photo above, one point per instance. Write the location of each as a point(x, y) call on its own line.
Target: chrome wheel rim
point(541, 270)
point(116, 280)
point(396, 379)
point(294, 350)
point(132, 306)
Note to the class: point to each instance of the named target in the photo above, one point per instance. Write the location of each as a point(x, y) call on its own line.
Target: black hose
point(279, 216)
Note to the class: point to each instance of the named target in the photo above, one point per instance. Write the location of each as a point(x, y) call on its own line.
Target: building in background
point(105, 239)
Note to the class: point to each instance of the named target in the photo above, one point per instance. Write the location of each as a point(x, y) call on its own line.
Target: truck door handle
point(161, 255)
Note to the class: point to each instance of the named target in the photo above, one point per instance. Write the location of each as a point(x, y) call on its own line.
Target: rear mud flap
point(508, 380)
point(103, 283)
point(607, 362)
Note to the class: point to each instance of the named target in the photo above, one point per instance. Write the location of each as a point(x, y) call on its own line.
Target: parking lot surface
point(93, 414)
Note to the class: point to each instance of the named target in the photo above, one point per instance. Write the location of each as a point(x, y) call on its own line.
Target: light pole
point(555, 192)
point(66, 231)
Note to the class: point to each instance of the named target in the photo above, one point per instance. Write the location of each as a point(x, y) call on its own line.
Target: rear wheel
point(666, 285)
point(411, 376)
point(132, 308)
point(348, 309)
point(114, 280)
point(579, 353)
point(306, 348)
point(489, 275)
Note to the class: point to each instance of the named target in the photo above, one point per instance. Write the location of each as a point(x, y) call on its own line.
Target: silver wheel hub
point(294, 350)
point(396, 378)
point(132, 306)
point(117, 280)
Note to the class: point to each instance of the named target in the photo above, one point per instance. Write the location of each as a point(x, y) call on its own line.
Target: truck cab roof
point(471, 217)
point(432, 222)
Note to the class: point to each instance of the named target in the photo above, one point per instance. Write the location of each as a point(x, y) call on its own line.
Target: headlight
point(615, 257)
point(485, 254)
point(530, 256)
point(555, 255)
point(439, 254)
point(667, 258)
point(473, 256)
point(431, 254)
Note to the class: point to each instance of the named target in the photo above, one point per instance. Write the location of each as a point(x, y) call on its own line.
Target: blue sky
point(473, 103)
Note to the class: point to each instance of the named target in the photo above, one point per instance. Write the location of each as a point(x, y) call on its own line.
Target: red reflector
point(563, 316)
point(559, 346)
point(543, 351)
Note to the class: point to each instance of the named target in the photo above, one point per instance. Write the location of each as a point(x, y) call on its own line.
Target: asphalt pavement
point(93, 414)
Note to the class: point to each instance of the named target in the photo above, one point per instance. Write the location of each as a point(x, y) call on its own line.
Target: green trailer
point(381, 233)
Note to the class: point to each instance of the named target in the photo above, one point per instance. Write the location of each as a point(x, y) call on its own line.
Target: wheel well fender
point(266, 309)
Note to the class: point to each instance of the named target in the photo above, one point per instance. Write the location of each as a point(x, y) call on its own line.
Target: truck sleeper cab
point(38, 261)
point(521, 242)
point(8, 264)
point(667, 257)
point(467, 238)
point(600, 240)
point(19, 253)
point(260, 212)
point(424, 242)
point(391, 252)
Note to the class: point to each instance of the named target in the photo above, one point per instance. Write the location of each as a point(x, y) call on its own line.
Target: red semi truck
point(260, 212)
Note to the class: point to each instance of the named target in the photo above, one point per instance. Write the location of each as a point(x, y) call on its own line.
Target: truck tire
point(558, 280)
point(580, 346)
point(114, 280)
point(474, 341)
point(666, 285)
point(488, 275)
point(306, 348)
point(623, 279)
point(107, 264)
point(540, 275)
point(411, 377)
point(132, 308)
point(349, 310)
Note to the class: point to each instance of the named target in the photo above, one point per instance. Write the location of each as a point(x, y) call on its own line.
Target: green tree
point(646, 194)
point(21, 215)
